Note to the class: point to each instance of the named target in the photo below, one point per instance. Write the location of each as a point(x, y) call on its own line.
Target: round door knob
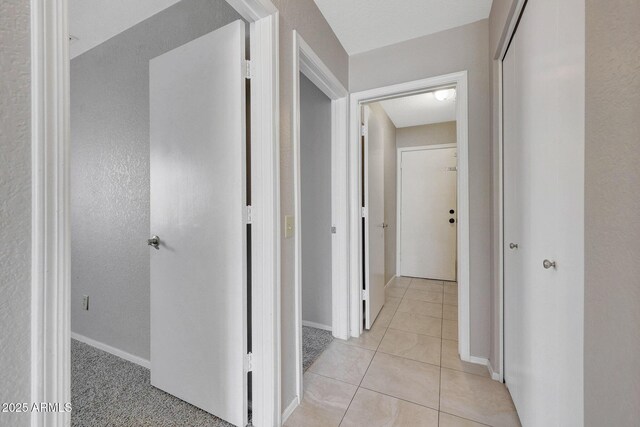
point(548, 264)
point(154, 241)
point(451, 211)
point(451, 220)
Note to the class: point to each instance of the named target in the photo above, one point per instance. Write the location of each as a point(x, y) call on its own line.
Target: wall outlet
point(85, 302)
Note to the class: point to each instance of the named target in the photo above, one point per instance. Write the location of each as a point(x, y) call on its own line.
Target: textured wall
point(110, 172)
point(15, 207)
point(305, 17)
point(381, 126)
point(612, 229)
point(315, 224)
point(434, 134)
point(462, 48)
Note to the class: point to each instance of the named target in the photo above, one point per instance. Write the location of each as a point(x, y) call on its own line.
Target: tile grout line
point(371, 361)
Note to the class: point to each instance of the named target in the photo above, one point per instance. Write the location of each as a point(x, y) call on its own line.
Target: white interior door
point(543, 86)
point(374, 223)
point(428, 213)
point(198, 275)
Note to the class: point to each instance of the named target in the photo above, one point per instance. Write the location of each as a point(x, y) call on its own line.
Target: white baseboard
point(289, 410)
point(316, 325)
point(115, 351)
point(485, 362)
point(494, 375)
point(390, 280)
point(478, 360)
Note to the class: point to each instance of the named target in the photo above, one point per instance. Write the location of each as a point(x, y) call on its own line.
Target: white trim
point(50, 282)
point(306, 61)
point(459, 80)
point(145, 363)
point(265, 227)
point(50, 287)
point(494, 375)
point(389, 282)
point(316, 325)
point(399, 152)
point(289, 409)
point(509, 29)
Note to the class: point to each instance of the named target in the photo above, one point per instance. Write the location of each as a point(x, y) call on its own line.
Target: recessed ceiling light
point(445, 94)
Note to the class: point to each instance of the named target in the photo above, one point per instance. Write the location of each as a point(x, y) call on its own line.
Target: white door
point(428, 213)
point(374, 222)
point(198, 274)
point(543, 84)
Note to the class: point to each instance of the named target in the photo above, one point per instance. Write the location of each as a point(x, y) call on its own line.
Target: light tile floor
point(405, 371)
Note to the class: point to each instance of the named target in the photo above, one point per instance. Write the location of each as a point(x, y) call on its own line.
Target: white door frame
point(459, 81)
point(401, 150)
point(50, 283)
point(306, 61)
point(505, 40)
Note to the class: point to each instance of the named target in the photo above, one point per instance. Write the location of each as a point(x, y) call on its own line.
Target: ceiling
point(92, 22)
point(363, 25)
point(422, 109)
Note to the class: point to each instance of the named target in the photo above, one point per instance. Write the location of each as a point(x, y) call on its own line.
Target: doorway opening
point(164, 255)
point(319, 225)
point(394, 227)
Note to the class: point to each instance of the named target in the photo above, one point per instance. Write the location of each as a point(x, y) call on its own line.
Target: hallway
point(405, 371)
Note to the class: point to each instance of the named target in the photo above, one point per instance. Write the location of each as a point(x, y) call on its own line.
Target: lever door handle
point(548, 264)
point(513, 246)
point(154, 241)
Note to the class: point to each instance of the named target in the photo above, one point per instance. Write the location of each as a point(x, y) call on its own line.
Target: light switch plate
point(289, 226)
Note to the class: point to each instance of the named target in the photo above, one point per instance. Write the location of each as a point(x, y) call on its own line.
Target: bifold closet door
point(199, 272)
point(543, 104)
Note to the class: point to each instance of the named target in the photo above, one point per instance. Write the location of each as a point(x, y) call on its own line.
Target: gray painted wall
point(15, 207)
point(305, 17)
point(110, 172)
point(381, 126)
point(462, 48)
point(315, 224)
point(612, 203)
point(433, 134)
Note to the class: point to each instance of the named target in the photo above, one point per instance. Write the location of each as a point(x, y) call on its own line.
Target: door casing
point(306, 61)
point(357, 99)
point(50, 279)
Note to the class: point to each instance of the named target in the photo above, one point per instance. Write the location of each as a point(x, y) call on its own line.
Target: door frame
point(459, 81)
point(50, 333)
point(505, 40)
point(307, 62)
point(401, 150)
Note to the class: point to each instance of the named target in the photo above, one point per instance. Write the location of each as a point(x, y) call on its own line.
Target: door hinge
point(363, 130)
point(364, 212)
point(249, 215)
point(248, 362)
point(247, 69)
point(365, 295)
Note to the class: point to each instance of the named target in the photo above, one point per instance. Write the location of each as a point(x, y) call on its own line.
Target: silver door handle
point(154, 241)
point(513, 246)
point(548, 264)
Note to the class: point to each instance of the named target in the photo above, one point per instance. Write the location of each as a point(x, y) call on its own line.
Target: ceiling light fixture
point(444, 94)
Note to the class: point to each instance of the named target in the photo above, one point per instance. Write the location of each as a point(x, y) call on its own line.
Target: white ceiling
point(95, 21)
point(416, 110)
point(363, 25)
